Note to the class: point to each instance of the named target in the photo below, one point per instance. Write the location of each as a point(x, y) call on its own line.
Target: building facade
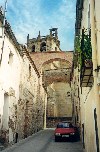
point(22, 94)
point(87, 102)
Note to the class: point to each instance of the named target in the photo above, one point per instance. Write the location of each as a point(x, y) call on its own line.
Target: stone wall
point(31, 101)
point(59, 102)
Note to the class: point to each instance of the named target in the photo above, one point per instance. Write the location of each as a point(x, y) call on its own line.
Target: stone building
point(86, 84)
point(30, 107)
point(10, 70)
point(38, 86)
point(21, 92)
point(54, 67)
point(35, 87)
point(44, 43)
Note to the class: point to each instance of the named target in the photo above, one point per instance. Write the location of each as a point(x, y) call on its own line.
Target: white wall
point(10, 70)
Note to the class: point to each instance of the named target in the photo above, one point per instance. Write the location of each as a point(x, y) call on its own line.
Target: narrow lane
point(44, 142)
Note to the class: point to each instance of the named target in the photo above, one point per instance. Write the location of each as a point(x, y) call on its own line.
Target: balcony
point(86, 66)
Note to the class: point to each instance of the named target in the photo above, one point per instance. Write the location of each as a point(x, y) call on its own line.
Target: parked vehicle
point(66, 130)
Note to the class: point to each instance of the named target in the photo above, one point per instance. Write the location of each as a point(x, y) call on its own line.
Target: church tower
point(44, 43)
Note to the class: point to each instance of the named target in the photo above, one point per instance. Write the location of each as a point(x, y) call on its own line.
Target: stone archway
point(56, 78)
point(40, 59)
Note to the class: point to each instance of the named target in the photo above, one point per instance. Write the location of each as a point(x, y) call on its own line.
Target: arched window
point(43, 47)
point(33, 48)
point(55, 48)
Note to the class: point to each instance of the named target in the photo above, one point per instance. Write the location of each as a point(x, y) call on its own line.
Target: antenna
point(5, 10)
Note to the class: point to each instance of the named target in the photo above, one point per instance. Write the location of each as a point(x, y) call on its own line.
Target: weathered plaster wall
point(59, 101)
point(90, 98)
point(22, 104)
point(87, 118)
point(9, 85)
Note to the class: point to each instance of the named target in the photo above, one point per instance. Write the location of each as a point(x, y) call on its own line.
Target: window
point(33, 48)
point(96, 130)
point(64, 125)
point(10, 58)
point(43, 47)
point(29, 71)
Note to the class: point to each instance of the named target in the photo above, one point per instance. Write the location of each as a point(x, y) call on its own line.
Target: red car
point(65, 129)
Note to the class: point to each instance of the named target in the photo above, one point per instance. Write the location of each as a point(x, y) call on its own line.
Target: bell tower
point(54, 33)
point(46, 43)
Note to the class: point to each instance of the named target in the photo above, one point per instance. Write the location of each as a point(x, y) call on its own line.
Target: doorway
point(83, 142)
point(96, 130)
point(5, 117)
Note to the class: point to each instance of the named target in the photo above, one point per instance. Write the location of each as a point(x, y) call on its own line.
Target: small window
point(10, 58)
point(55, 48)
point(29, 70)
point(43, 47)
point(68, 94)
point(33, 48)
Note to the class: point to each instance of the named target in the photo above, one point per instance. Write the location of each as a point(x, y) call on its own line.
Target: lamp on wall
point(98, 68)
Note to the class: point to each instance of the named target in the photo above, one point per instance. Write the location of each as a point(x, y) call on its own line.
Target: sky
point(31, 16)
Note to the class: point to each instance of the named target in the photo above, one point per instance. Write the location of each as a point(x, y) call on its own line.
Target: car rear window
point(64, 125)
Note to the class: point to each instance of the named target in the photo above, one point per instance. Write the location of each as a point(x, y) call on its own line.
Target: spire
point(39, 33)
point(39, 36)
point(27, 40)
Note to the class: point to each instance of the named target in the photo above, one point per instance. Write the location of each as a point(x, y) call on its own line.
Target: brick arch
point(62, 76)
point(56, 59)
point(41, 58)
